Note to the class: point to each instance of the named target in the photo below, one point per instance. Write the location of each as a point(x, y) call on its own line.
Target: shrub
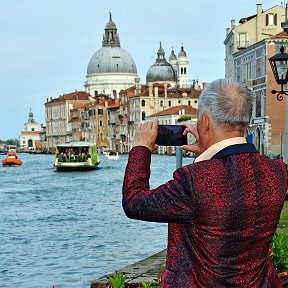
point(279, 252)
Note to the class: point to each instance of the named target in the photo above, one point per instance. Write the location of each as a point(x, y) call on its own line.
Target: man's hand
point(196, 147)
point(146, 134)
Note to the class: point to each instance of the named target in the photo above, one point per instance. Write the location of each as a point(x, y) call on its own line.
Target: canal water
point(64, 229)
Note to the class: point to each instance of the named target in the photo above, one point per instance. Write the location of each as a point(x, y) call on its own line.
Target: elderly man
point(223, 209)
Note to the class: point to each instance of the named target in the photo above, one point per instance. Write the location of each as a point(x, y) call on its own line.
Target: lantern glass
point(279, 66)
point(282, 70)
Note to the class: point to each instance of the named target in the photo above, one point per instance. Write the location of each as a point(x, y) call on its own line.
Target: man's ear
point(206, 121)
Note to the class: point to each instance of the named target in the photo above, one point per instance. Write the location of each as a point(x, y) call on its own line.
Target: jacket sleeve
point(171, 202)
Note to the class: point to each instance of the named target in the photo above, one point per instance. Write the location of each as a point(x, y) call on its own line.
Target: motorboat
point(76, 156)
point(11, 159)
point(112, 155)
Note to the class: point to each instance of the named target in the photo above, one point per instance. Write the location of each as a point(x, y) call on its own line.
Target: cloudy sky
point(45, 46)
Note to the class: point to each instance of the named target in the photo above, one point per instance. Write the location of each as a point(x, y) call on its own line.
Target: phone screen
point(171, 135)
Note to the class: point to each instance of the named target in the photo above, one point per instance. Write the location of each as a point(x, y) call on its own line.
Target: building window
point(181, 71)
point(169, 103)
point(242, 40)
point(271, 19)
point(258, 104)
point(143, 115)
point(143, 103)
point(101, 136)
point(100, 123)
point(100, 111)
point(189, 102)
point(114, 93)
point(185, 71)
point(95, 92)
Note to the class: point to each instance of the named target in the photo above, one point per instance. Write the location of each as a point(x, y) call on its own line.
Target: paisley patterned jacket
point(221, 215)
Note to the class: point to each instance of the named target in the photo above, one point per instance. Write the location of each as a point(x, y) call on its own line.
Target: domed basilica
point(112, 69)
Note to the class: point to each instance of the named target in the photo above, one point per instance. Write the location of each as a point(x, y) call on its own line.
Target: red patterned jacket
point(222, 214)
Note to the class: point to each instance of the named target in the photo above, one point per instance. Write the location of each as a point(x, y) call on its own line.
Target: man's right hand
point(195, 147)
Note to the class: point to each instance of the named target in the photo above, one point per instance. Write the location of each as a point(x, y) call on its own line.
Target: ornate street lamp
point(279, 65)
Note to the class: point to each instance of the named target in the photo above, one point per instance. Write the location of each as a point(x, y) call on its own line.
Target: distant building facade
point(30, 138)
point(58, 116)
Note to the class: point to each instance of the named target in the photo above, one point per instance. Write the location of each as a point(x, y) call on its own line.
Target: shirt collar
point(215, 148)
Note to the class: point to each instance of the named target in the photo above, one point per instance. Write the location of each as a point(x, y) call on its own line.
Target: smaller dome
point(161, 71)
point(182, 53)
point(110, 25)
point(172, 56)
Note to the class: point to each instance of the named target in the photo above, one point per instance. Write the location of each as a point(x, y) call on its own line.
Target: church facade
point(30, 138)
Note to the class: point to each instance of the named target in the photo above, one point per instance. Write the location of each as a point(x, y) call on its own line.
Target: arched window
point(143, 115)
point(100, 123)
point(101, 136)
point(143, 103)
point(185, 71)
point(114, 93)
point(181, 71)
point(95, 92)
point(189, 102)
point(169, 103)
point(161, 103)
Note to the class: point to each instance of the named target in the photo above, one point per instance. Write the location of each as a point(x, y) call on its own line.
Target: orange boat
point(12, 158)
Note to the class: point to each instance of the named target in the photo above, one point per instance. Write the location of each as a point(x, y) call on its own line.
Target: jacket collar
point(235, 149)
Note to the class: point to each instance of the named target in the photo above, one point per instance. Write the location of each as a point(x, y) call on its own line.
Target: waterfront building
point(58, 116)
point(248, 48)
point(75, 120)
point(111, 68)
point(30, 137)
point(94, 123)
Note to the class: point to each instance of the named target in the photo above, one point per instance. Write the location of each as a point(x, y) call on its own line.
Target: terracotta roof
point(281, 35)
point(114, 103)
point(77, 106)
point(188, 110)
point(77, 95)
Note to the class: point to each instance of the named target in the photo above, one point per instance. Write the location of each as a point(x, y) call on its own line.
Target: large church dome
point(161, 70)
point(111, 69)
point(111, 60)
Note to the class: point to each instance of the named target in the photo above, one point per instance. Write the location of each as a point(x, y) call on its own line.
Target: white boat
point(76, 156)
point(112, 155)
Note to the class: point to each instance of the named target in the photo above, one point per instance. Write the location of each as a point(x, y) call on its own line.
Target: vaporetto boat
point(76, 156)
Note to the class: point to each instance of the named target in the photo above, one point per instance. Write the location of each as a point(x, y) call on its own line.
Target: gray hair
point(227, 102)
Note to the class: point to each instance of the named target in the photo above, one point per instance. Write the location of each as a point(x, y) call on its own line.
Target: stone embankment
point(146, 270)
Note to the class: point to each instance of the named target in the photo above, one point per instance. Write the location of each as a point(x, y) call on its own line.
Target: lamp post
point(279, 67)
